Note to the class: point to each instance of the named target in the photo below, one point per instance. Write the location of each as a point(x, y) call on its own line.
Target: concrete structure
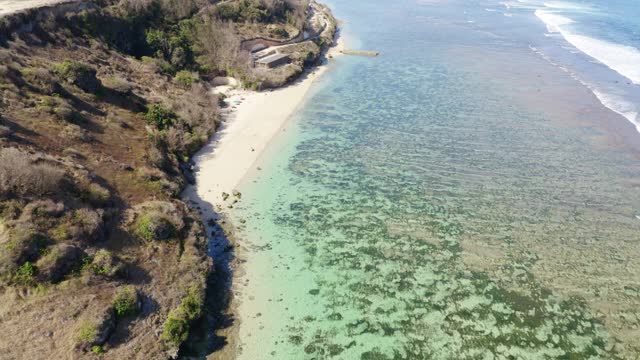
point(272, 61)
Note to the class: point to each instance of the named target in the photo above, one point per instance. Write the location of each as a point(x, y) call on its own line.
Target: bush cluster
point(263, 11)
point(184, 78)
point(23, 246)
point(174, 44)
point(25, 274)
point(79, 74)
point(176, 327)
point(106, 264)
point(86, 333)
point(125, 302)
point(154, 226)
point(160, 117)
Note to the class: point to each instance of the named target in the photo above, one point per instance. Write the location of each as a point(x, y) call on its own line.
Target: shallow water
point(459, 197)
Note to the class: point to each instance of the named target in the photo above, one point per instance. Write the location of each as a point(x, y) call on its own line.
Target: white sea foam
point(553, 21)
point(614, 102)
point(620, 106)
point(567, 6)
point(621, 58)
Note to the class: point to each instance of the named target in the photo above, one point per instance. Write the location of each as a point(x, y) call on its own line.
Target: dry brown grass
point(118, 168)
point(20, 176)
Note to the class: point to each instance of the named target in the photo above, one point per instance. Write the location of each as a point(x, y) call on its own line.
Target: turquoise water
point(459, 197)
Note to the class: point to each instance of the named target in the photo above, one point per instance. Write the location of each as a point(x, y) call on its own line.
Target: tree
point(220, 44)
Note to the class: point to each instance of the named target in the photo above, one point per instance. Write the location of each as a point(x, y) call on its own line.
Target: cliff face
point(97, 254)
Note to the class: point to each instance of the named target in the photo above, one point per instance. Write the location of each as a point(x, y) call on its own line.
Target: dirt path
point(11, 6)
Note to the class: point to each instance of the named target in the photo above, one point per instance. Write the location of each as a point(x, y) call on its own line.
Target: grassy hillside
point(100, 111)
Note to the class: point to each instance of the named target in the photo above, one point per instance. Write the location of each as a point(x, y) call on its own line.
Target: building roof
point(272, 58)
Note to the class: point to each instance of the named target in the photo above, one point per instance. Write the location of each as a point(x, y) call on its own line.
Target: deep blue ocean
point(471, 193)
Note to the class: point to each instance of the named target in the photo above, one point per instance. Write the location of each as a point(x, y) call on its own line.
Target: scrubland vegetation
point(100, 111)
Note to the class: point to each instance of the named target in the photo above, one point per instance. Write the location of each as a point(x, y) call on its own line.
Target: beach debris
point(225, 196)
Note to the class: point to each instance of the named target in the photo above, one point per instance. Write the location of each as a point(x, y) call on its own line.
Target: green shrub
point(10, 209)
point(79, 74)
point(160, 117)
point(184, 78)
point(192, 303)
point(280, 32)
point(86, 333)
point(105, 263)
point(21, 249)
point(158, 42)
point(97, 349)
point(25, 274)
point(154, 226)
point(176, 327)
point(227, 12)
point(125, 302)
point(69, 68)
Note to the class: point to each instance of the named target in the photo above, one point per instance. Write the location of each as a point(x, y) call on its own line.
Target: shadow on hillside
point(127, 101)
point(208, 335)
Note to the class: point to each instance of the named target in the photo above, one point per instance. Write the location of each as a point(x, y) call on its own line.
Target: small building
point(272, 61)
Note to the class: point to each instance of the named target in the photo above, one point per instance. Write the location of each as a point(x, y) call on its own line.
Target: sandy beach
point(250, 122)
point(253, 120)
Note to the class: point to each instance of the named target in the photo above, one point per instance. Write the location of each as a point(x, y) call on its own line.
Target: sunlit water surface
point(458, 197)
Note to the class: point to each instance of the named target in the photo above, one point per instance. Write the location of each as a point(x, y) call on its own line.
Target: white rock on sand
point(257, 118)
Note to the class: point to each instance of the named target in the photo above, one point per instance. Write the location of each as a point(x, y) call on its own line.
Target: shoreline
point(252, 121)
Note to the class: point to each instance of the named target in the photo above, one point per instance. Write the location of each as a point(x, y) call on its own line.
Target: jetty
point(360, 53)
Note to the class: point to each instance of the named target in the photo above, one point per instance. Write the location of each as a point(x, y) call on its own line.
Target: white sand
point(256, 120)
point(223, 163)
point(11, 6)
